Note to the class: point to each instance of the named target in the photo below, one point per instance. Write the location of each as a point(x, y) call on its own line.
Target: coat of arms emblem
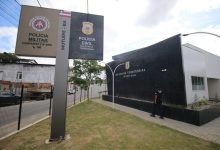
point(39, 23)
point(87, 28)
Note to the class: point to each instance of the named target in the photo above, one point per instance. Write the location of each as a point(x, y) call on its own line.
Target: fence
point(35, 105)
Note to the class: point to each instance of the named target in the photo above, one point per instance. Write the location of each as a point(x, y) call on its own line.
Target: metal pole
point(113, 83)
point(20, 107)
point(80, 94)
point(51, 93)
point(113, 79)
point(91, 93)
point(74, 95)
point(201, 33)
point(113, 90)
point(113, 105)
point(58, 119)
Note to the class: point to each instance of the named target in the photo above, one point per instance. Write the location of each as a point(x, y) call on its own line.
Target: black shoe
point(161, 117)
point(152, 115)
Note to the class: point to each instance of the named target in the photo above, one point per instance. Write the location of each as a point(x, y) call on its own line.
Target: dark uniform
point(157, 107)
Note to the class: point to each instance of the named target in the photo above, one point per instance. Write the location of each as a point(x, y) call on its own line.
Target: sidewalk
point(209, 131)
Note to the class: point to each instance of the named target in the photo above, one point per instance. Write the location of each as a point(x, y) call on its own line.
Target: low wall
point(196, 117)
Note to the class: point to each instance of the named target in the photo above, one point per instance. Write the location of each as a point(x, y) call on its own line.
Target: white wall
point(214, 88)
point(212, 65)
point(194, 65)
point(30, 73)
point(95, 89)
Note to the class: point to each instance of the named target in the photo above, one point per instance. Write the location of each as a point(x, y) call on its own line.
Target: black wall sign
point(86, 36)
point(157, 65)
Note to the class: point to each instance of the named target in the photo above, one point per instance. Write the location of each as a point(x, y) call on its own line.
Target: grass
point(93, 126)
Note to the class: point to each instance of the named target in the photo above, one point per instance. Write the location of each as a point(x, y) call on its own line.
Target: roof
point(198, 49)
point(27, 64)
point(117, 57)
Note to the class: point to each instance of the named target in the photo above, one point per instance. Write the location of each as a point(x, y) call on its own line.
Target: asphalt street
point(31, 111)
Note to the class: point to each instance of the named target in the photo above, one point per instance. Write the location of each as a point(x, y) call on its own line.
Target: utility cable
point(8, 14)
point(7, 20)
point(17, 2)
point(39, 3)
point(8, 8)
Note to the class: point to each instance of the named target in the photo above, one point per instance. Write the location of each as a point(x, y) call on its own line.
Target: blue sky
point(201, 20)
point(129, 24)
point(10, 12)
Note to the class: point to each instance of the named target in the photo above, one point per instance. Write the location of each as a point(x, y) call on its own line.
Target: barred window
point(19, 75)
point(1, 75)
point(198, 83)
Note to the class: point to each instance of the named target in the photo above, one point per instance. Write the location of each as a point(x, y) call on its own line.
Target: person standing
point(157, 106)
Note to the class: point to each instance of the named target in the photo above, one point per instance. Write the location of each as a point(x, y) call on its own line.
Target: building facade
point(36, 77)
point(202, 74)
point(12, 75)
point(184, 72)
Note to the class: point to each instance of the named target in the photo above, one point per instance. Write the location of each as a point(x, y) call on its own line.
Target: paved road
point(31, 112)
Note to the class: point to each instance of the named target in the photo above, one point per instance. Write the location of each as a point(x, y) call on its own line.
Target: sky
point(129, 24)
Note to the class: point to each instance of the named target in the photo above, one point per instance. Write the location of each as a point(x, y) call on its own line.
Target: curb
point(29, 125)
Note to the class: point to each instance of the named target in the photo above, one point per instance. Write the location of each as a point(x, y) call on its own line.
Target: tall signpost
point(62, 35)
point(58, 120)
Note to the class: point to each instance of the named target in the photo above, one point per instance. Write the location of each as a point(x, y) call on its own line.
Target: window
point(19, 75)
point(198, 83)
point(1, 75)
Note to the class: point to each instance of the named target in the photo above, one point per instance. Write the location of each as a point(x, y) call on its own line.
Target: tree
point(8, 57)
point(85, 73)
point(12, 58)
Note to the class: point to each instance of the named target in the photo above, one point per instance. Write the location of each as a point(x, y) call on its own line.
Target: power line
point(9, 8)
point(7, 13)
point(8, 20)
point(17, 2)
point(39, 3)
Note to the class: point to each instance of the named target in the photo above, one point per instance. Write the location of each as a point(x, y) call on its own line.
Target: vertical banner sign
point(86, 36)
point(58, 120)
point(37, 34)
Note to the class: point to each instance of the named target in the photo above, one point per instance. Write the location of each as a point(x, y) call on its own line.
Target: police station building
point(185, 73)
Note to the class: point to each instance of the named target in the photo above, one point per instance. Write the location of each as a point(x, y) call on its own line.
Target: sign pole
point(58, 120)
point(47, 33)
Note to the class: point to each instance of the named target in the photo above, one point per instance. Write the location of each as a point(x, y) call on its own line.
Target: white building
point(202, 73)
point(33, 75)
point(12, 74)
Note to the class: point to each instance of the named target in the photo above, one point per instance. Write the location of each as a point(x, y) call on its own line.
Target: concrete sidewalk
point(209, 131)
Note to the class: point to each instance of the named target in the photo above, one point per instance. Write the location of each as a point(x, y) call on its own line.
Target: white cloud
point(159, 20)
point(195, 6)
point(7, 39)
point(156, 12)
point(168, 24)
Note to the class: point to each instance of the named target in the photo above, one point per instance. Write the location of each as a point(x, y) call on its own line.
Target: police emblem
point(39, 23)
point(87, 28)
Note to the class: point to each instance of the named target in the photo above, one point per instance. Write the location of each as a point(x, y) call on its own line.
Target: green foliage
point(8, 58)
point(196, 98)
point(96, 127)
point(200, 103)
point(12, 58)
point(85, 73)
